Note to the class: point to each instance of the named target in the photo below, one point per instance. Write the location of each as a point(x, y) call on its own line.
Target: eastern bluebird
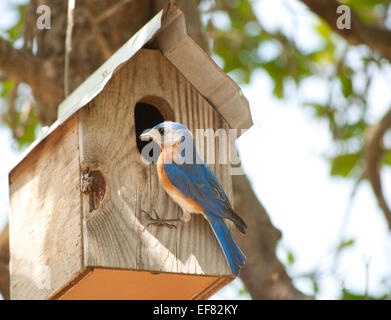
point(192, 184)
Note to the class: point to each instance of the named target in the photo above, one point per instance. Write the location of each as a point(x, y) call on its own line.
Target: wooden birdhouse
point(77, 230)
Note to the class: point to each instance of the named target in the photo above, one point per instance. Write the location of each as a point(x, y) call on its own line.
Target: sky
point(283, 155)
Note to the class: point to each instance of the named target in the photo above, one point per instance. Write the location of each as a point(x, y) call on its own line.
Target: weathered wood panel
point(116, 234)
point(45, 222)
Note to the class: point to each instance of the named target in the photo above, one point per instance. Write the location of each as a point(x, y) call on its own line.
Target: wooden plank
point(45, 221)
point(141, 285)
point(106, 145)
point(116, 233)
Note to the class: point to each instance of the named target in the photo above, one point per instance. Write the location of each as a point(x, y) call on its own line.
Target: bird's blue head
point(168, 133)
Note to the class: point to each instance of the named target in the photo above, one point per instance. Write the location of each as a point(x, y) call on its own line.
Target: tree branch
point(376, 38)
point(373, 152)
point(100, 39)
point(263, 274)
point(4, 259)
point(22, 66)
point(111, 11)
point(11, 110)
point(68, 44)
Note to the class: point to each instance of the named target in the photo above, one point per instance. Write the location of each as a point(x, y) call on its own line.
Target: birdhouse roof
point(168, 30)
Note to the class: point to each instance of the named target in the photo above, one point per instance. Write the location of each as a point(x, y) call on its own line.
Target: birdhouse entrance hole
point(149, 112)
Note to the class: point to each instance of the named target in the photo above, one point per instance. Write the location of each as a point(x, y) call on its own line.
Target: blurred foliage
point(239, 44)
point(370, 11)
point(17, 109)
point(240, 41)
point(16, 32)
point(349, 295)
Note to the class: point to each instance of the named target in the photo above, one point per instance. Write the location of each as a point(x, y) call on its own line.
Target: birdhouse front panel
point(117, 234)
point(90, 191)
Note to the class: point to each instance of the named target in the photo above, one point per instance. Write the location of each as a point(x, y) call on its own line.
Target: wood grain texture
point(45, 221)
point(116, 234)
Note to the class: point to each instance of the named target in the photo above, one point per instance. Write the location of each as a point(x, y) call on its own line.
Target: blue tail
point(234, 256)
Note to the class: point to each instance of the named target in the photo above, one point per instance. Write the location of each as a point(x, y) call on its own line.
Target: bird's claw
point(159, 221)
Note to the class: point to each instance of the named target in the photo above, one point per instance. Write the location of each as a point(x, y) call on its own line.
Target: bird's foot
point(159, 221)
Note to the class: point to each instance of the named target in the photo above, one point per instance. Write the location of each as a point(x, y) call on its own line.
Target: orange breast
point(186, 203)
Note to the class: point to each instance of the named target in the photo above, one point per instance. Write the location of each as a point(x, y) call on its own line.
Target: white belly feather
point(186, 206)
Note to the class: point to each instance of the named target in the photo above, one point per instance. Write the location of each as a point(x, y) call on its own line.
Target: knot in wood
point(93, 184)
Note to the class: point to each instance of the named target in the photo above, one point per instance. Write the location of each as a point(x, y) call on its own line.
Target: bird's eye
point(161, 131)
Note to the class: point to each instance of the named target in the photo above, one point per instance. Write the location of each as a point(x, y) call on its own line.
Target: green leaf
point(16, 31)
point(366, 9)
point(349, 295)
point(243, 290)
point(323, 57)
point(323, 29)
point(346, 83)
point(26, 129)
point(6, 87)
point(348, 131)
point(387, 157)
point(290, 258)
point(346, 244)
point(343, 164)
point(320, 110)
point(315, 286)
point(275, 68)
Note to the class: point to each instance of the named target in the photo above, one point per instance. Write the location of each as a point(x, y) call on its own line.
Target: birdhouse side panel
point(45, 220)
point(117, 231)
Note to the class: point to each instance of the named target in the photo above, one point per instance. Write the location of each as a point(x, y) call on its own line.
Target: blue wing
point(198, 182)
